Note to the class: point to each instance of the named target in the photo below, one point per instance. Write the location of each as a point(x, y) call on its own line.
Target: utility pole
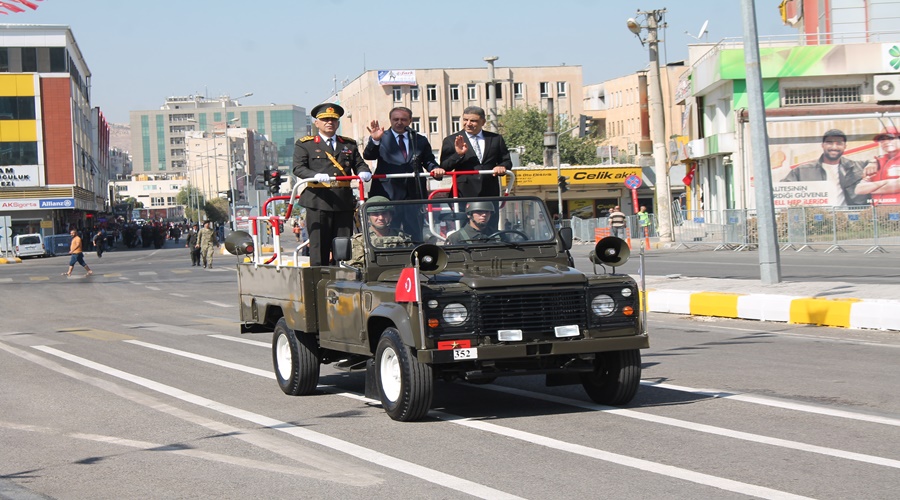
point(492, 94)
point(657, 116)
point(550, 143)
point(769, 258)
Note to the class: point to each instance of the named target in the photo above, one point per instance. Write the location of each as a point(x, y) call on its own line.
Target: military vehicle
point(505, 300)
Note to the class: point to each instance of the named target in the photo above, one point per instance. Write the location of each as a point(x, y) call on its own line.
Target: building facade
point(158, 136)
point(53, 145)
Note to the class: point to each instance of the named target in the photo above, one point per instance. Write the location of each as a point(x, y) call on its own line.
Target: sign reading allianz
point(396, 77)
point(37, 204)
point(13, 176)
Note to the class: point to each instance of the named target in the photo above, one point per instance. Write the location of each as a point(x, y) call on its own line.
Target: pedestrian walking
point(193, 244)
point(616, 220)
point(99, 241)
point(207, 242)
point(76, 251)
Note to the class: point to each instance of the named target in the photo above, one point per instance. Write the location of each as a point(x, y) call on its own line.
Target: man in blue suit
point(401, 150)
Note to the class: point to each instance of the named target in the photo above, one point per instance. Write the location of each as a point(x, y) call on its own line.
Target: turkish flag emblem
point(407, 286)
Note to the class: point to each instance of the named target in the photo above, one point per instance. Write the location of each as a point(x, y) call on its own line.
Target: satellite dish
point(703, 31)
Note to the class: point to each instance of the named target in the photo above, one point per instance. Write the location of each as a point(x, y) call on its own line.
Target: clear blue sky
point(289, 51)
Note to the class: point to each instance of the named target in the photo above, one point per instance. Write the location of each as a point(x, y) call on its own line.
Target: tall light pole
point(658, 121)
point(492, 93)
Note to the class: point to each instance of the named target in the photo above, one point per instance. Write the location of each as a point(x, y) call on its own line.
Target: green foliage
point(190, 197)
point(217, 210)
point(134, 202)
point(526, 127)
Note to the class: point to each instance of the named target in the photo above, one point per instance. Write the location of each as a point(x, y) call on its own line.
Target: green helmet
point(480, 205)
point(372, 208)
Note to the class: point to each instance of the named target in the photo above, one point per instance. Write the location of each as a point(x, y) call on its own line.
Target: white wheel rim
point(283, 357)
point(390, 375)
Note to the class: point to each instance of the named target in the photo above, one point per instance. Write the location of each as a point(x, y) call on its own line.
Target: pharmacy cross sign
point(633, 182)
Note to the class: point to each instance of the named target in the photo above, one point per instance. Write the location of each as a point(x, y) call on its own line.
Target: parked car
point(29, 245)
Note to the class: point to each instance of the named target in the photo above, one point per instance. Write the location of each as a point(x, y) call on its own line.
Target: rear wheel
point(615, 379)
point(296, 358)
point(405, 385)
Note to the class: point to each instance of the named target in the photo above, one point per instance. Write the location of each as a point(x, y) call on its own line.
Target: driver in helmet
point(381, 234)
point(478, 228)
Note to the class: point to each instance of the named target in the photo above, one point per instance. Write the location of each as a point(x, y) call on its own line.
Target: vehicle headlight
point(603, 305)
point(626, 292)
point(456, 314)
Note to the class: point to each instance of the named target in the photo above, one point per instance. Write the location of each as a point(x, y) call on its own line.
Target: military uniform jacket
point(394, 239)
point(467, 234)
point(310, 158)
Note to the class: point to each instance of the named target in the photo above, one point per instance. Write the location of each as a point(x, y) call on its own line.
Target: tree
point(526, 127)
point(134, 202)
point(190, 197)
point(217, 210)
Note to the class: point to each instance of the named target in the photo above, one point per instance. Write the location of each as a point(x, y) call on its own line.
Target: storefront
point(592, 190)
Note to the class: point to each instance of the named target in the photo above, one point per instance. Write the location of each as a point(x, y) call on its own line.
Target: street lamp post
point(658, 120)
point(492, 93)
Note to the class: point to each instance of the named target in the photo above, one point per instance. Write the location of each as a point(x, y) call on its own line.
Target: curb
point(875, 314)
point(14, 260)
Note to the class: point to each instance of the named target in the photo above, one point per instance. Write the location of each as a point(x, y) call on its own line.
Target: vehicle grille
point(536, 313)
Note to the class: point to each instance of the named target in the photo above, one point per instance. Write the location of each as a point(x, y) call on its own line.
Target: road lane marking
point(112, 275)
point(6, 280)
point(39, 278)
point(181, 271)
point(168, 329)
point(178, 295)
point(790, 405)
point(372, 456)
point(328, 468)
point(92, 333)
point(243, 341)
point(147, 273)
point(155, 289)
point(218, 304)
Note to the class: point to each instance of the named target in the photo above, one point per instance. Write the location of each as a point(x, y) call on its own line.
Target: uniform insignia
point(307, 138)
point(345, 139)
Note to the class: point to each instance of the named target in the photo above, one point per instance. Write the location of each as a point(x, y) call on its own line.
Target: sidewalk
point(848, 305)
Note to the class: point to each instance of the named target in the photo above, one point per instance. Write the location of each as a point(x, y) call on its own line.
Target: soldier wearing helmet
point(479, 226)
point(381, 234)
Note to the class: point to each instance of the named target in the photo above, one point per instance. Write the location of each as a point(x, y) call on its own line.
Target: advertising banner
point(397, 77)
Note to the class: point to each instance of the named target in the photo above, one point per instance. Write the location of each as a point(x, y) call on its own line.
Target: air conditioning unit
point(887, 87)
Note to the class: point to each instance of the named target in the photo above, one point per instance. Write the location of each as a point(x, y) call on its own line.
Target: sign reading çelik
point(20, 176)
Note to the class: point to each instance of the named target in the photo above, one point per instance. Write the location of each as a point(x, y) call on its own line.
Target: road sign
point(633, 182)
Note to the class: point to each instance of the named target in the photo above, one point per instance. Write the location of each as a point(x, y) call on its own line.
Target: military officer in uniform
point(478, 228)
point(381, 234)
point(329, 204)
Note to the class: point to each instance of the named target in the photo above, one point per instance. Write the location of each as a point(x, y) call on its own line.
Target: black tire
point(616, 377)
point(296, 359)
point(405, 386)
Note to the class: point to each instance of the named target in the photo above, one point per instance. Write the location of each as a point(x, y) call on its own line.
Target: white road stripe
point(218, 304)
point(372, 456)
point(671, 471)
point(178, 295)
point(790, 405)
point(243, 341)
point(147, 273)
point(153, 288)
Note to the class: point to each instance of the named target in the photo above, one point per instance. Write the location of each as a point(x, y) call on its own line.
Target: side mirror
point(341, 248)
point(566, 237)
point(239, 243)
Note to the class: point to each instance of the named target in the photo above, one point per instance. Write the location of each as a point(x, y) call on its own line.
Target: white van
point(28, 245)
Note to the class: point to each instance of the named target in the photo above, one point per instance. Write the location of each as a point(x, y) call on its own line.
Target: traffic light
point(563, 182)
point(584, 125)
point(274, 180)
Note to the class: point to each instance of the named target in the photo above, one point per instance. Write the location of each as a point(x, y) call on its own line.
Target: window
point(519, 90)
point(17, 108)
point(4, 60)
point(398, 94)
point(498, 90)
point(433, 125)
point(431, 92)
point(454, 126)
point(827, 95)
point(471, 92)
point(156, 201)
point(545, 89)
point(416, 125)
point(170, 200)
point(57, 59)
point(560, 89)
point(29, 59)
point(414, 93)
point(454, 92)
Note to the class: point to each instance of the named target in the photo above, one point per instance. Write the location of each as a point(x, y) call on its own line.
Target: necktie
point(474, 140)
point(330, 142)
point(402, 146)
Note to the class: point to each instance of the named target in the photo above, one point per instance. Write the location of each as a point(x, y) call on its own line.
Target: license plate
point(463, 354)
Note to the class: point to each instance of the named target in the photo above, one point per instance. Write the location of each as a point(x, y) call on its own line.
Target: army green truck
point(505, 300)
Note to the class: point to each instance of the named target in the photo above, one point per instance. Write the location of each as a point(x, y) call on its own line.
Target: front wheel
point(296, 359)
point(615, 379)
point(405, 386)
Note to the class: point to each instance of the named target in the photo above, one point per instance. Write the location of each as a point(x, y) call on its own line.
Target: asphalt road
point(135, 383)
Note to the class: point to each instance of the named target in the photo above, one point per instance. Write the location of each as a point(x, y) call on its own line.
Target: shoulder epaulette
point(346, 139)
point(307, 138)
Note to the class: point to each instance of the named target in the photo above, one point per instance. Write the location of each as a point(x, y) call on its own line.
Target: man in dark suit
point(329, 204)
point(400, 150)
point(473, 148)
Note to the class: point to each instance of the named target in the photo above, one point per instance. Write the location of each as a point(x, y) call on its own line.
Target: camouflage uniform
point(395, 239)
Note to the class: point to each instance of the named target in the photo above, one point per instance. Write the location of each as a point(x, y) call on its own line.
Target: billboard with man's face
point(835, 162)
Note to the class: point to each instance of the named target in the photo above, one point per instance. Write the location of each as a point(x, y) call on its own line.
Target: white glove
point(322, 177)
point(365, 176)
